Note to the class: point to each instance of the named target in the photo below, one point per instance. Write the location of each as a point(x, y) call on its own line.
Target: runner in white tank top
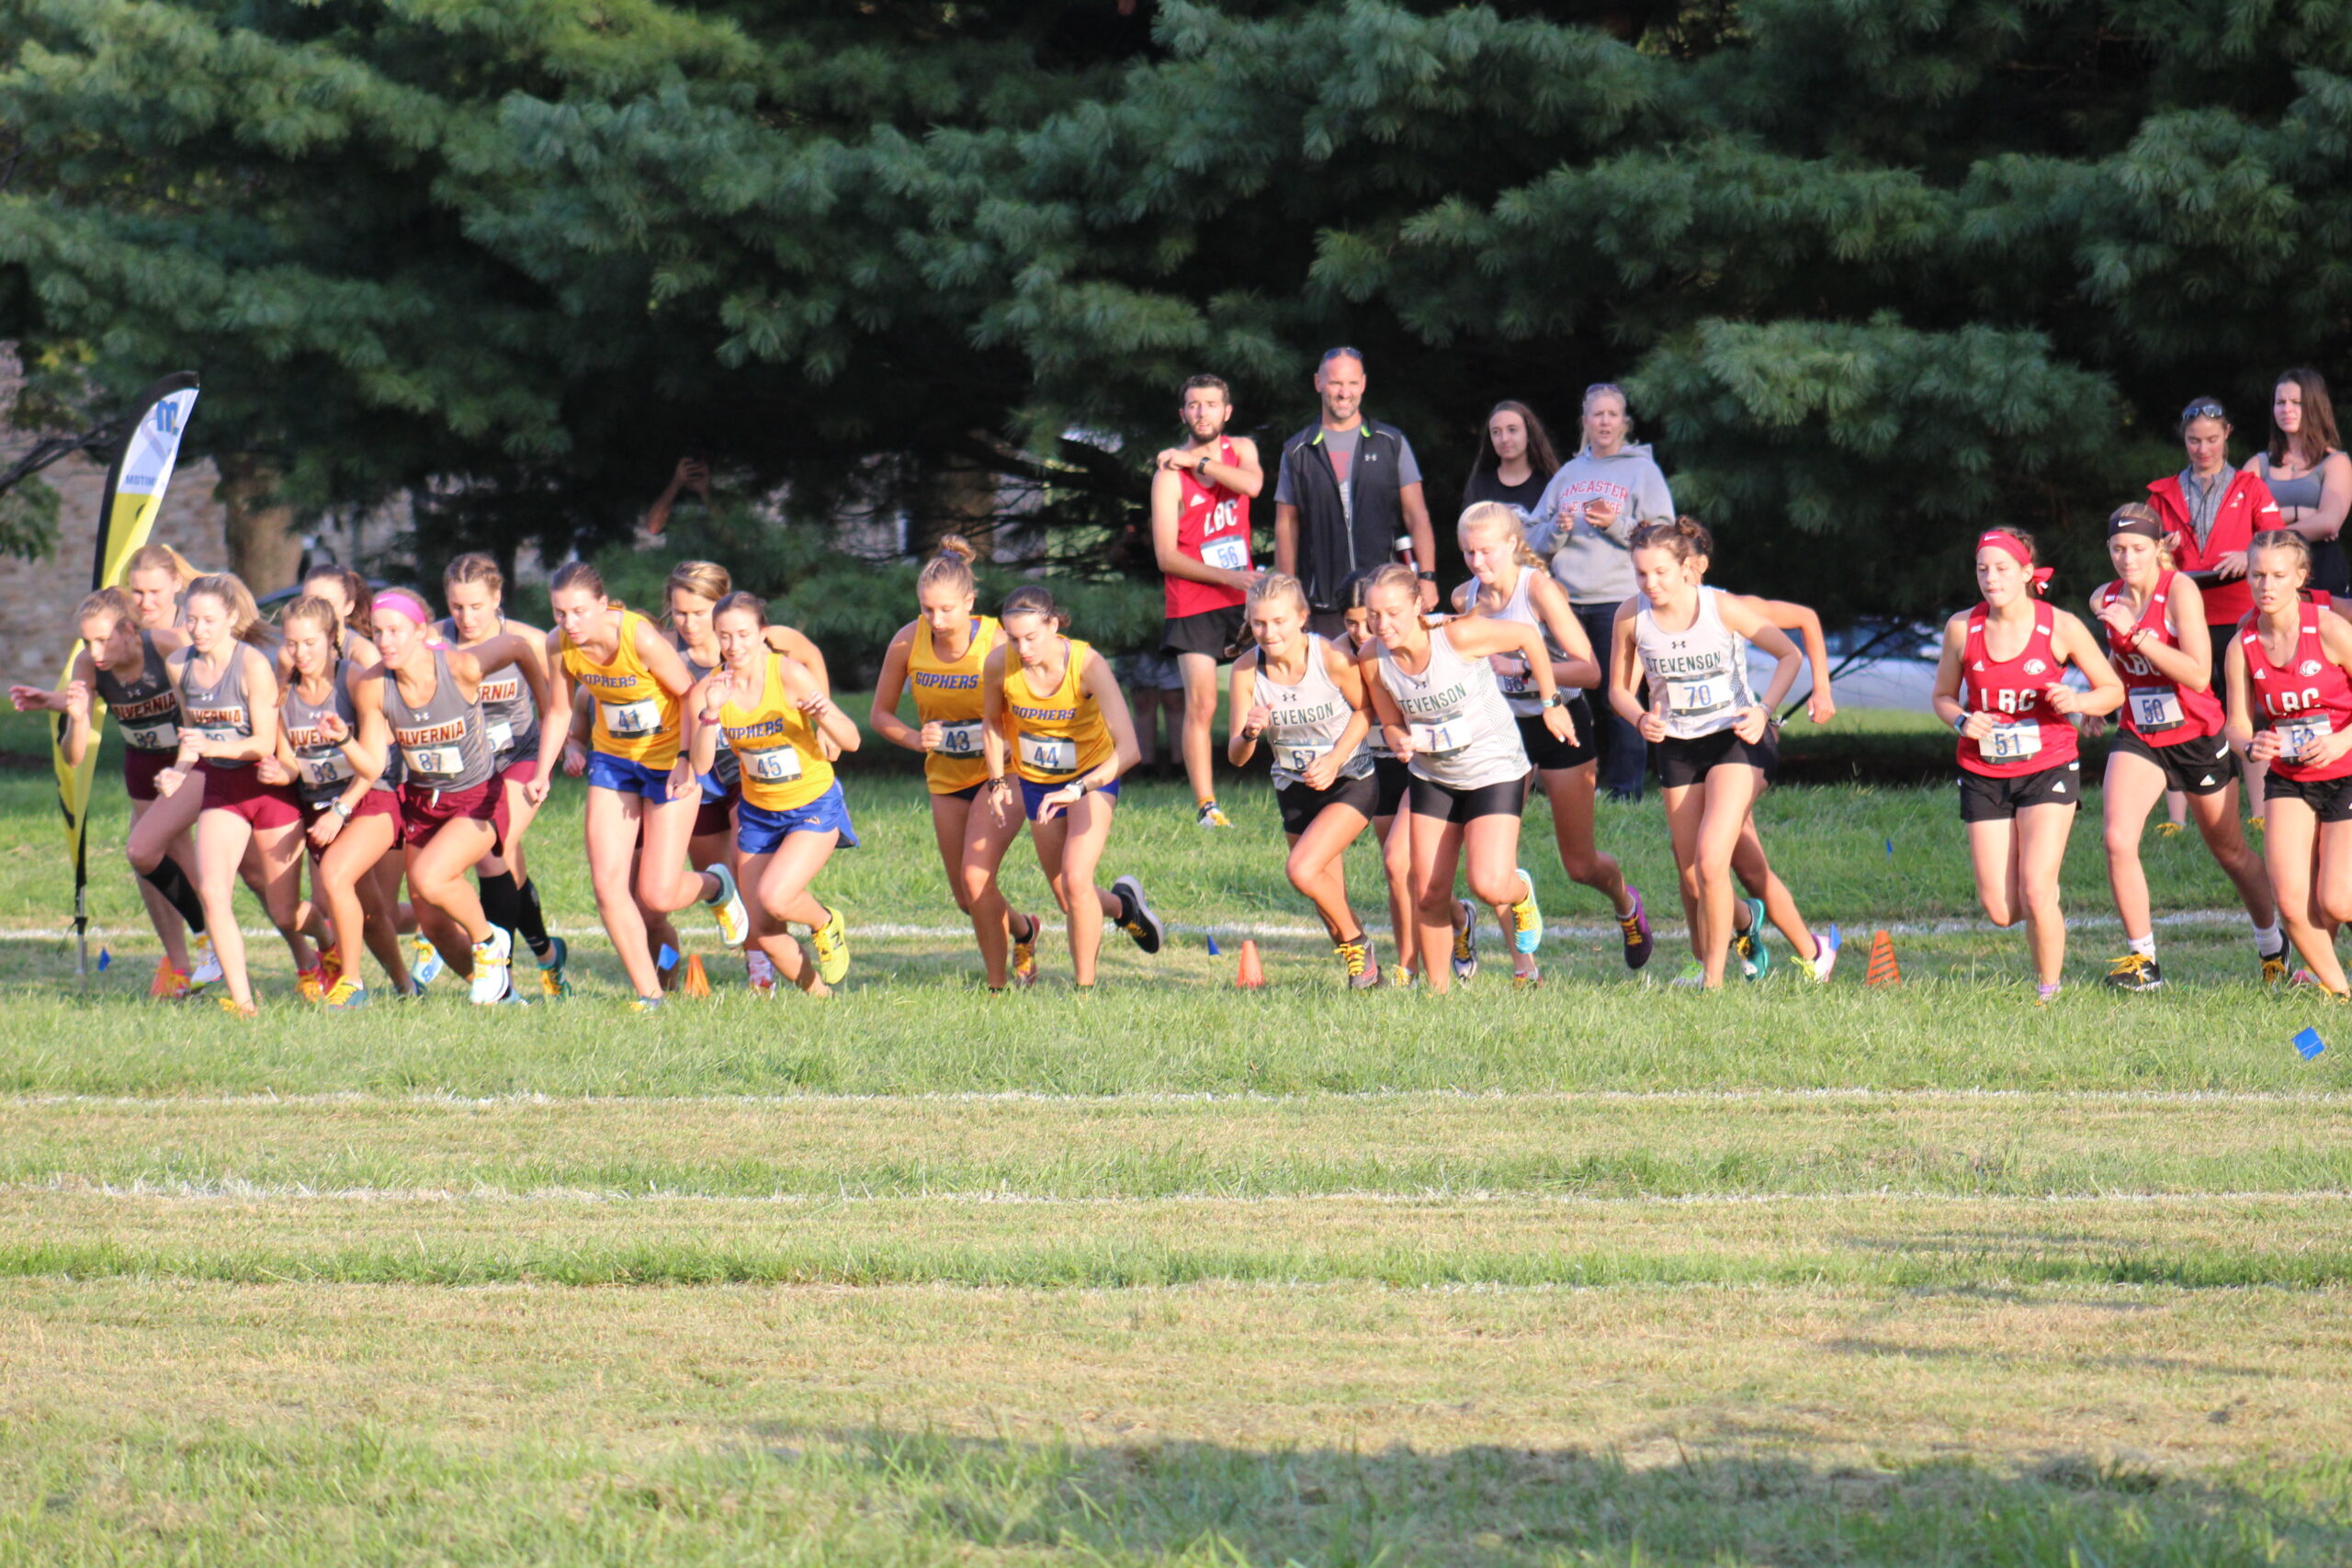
point(1306, 699)
point(1513, 586)
point(1711, 734)
point(1392, 824)
point(1437, 700)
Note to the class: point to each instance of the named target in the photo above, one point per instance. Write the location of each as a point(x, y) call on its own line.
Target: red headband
point(2037, 577)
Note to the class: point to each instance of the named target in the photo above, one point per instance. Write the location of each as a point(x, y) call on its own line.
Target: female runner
point(1392, 825)
point(1714, 736)
point(340, 777)
point(638, 778)
point(1305, 697)
point(121, 663)
point(771, 709)
point(452, 810)
point(475, 591)
point(1513, 585)
point(154, 576)
point(1765, 897)
point(1056, 701)
point(2169, 738)
point(2000, 686)
point(228, 694)
point(2290, 706)
point(1447, 719)
point(940, 654)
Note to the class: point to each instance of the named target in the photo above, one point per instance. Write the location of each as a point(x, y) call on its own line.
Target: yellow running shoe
point(1466, 940)
point(1526, 918)
point(831, 942)
point(2274, 968)
point(1024, 952)
point(312, 984)
point(347, 993)
point(236, 1008)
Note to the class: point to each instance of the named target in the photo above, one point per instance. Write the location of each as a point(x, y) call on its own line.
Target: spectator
point(2308, 475)
point(1585, 521)
point(1155, 685)
point(1200, 538)
point(1515, 461)
point(1348, 489)
point(693, 476)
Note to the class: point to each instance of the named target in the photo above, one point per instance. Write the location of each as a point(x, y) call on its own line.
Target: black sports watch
point(1426, 576)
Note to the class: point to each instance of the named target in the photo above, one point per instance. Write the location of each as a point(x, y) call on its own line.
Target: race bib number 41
point(632, 719)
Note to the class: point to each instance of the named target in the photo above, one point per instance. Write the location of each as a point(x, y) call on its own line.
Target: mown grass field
point(1605, 1273)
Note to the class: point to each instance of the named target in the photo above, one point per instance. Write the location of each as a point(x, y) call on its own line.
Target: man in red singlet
point(1200, 534)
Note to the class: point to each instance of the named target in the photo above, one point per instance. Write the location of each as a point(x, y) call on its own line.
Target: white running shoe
point(204, 964)
point(428, 965)
point(1825, 959)
point(734, 923)
point(493, 959)
point(762, 972)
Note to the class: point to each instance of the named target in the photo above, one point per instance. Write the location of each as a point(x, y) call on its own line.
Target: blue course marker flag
point(1212, 947)
point(1889, 849)
point(2310, 1043)
point(105, 958)
point(667, 958)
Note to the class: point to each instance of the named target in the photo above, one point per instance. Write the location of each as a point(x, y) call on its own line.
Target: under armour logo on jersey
point(2308, 667)
point(2035, 666)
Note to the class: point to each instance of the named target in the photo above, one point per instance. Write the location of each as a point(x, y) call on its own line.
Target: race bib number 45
point(779, 765)
point(1049, 753)
point(632, 719)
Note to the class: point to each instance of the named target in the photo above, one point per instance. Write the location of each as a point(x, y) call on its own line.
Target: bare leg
point(2133, 784)
point(1069, 848)
point(611, 830)
point(1316, 867)
point(989, 828)
point(2042, 838)
point(1199, 722)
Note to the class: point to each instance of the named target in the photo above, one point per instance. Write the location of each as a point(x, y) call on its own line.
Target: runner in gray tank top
point(1513, 585)
point(1306, 699)
point(1436, 697)
point(444, 741)
point(324, 773)
point(1392, 825)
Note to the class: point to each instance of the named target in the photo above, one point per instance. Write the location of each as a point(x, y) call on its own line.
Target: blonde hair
point(951, 568)
point(245, 617)
point(2144, 514)
point(161, 557)
point(474, 567)
point(317, 607)
point(703, 579)
point(1495, 515)
point(1391, 574)
point(106, 601)
point(1276, 584)
point(2283, 540)
point(1684, 537)
point(751, 604)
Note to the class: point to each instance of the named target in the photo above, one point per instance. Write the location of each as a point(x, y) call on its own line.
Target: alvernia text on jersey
point(431, 733)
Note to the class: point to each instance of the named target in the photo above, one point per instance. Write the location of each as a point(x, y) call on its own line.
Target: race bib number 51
point(2012, 743)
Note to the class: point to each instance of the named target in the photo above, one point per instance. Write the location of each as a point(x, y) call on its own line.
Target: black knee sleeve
point(500, 903)
point(168, 879)
point(529, 921)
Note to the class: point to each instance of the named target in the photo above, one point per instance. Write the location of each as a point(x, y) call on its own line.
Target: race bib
point(630, 720)
point(2297, 735)
point(332, 768)
point(959, 739)
point(2155, 707)
point(1049, 753)
point(2011, 743)
point(163, 736)
point(219, 737)
point(434, 762)
point(1513, 677)
point(1231, 553)
point(1298, 759)
point(1688, 699)
point(1439, 739)
point(779, 765)
point(501, 735)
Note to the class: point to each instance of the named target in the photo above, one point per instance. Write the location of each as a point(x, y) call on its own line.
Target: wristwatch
point(1960, 724)
point(1426, 576)
point(342, 809)
point(1555, 700)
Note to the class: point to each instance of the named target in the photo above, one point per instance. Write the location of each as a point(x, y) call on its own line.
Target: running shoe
point(760, 971)
point(2170, 830)
point(1639, 944)
point(1024, 953)
point(204, 964)
point(2274, 968)
point(2045, 992)
point(1404, 979)
point(1755, 958)
point(554, 983)
point(429, 962)
point(1693, 974)
point(347, 993)
point(2302, 978)
point(1211, 816)
point(493, 963)
point(734, 923)
point(1466, 940)
point(1526, 918)
point(236, 1008)
point(312, 983)
point(2135, 972)
point(1528, 979)
point(1364, 974)
point(647, 1004)
point(1135, 918)
point(1825, 958)
point(169, 984)
point(831, 942)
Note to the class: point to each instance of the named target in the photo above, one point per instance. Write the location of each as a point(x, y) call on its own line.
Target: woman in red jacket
point(2211, 511)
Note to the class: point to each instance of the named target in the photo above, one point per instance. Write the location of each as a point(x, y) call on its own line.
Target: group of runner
point(384, 745)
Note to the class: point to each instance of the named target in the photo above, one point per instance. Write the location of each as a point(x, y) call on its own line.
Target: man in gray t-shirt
point(1346, 489)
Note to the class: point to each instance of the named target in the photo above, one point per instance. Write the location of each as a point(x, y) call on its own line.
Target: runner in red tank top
point(2290, 706)
point(1200, 535)
point(2001, 686)
point(2170, 736)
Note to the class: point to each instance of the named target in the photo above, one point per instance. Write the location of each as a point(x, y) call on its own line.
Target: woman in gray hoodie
point(1584, 522)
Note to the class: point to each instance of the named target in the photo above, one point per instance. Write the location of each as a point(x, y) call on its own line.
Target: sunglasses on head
point(2203, 408)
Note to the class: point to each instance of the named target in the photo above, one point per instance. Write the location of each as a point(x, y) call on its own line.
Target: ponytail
point(1682, 538)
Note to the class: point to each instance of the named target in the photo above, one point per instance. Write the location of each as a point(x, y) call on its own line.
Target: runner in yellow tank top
point(642, 782)
point(942, 654)
point(1073, 744)
point(776, 718)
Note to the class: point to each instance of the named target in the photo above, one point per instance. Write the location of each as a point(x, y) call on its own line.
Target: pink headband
point(407, 603)
point(2007, 543)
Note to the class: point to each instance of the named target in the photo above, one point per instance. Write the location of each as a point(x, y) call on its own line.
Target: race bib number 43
point(1049, 753)
point(959, 739)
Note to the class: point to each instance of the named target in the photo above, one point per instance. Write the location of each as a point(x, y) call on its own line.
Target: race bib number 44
point(2155, 707)
point(2012, 743)
point(631, 719)
point(1049, 753)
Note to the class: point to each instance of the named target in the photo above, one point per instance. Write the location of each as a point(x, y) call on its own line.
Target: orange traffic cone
point(1252, 974)
point(696, 982)
point(1883, 969)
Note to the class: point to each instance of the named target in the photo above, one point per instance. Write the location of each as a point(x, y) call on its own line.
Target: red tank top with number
point(2156, 708)
point(1213, 527)
point(2033, 735)
point(2309, 697)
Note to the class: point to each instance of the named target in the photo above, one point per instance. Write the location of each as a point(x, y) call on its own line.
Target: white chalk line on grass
point(1275, 930)
point(1145, 1099)
point(232, 1190)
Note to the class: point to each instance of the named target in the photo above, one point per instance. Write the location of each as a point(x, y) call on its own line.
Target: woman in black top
point(1515, 460)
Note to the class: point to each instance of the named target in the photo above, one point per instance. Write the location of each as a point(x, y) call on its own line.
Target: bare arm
point(1415, 507)
point(995, 724)
point(1579, 669)
point(1098, 682)
point(1625, 667)
point(2074, 642)
point(1167, 504)
point(801, 685)
point(1240, 739)
point(883, 717)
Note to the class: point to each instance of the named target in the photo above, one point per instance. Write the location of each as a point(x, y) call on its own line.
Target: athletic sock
point(529, 921)
point(168, 879)
point(2145, 946)
point(501, 905)
point(2268, 942)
